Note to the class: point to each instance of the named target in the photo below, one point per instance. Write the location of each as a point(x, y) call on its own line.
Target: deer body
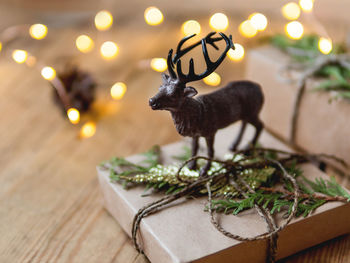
point(202, 116)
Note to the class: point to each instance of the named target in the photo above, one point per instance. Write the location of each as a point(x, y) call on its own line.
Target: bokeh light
point(294, 30)
point(38, 31)
point(118, 90)
point(191, 27)
point(88, 130)
point(73, 115)
point(213, 79)
point(153, 16)
point(291, 11)
point(48, 73)
point(259, 21)
point(325, 45)
point(109, 50)
point(237, 54)
point(20, 56)
point(219, 22)
point(159, 64)
point(0, 46)
point(306, 5)
point(84, 43)
point(103, 20)
point(247, 29)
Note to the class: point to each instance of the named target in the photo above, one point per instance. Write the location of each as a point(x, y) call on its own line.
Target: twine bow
point(231, 171)
point(236, 180)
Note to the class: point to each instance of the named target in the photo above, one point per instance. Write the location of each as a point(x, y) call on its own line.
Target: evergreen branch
point(258, 169)
point(120, 168)
point(275, 202)
point(328, 187)
point(305, 52)
point(163, 178)
point(289, 195)
point(278, 199)
point(184, 156)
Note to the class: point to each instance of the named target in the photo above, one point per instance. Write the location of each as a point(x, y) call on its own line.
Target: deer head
point(173, 91)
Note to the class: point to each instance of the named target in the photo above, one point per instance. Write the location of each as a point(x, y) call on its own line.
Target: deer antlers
point(211, 66)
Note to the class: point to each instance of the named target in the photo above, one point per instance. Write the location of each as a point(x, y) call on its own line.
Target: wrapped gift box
point(183, 233)
point(322, 126)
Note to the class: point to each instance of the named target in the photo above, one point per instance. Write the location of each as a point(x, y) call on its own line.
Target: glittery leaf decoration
point(163, 177)
point(260, 175)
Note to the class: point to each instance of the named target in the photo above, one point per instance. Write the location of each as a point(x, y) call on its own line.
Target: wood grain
point(50, 204)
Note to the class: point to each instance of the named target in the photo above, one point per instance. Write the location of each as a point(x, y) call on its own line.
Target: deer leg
point(258, 124)
point(193, 164)
point(210, 147)
point(235, 144)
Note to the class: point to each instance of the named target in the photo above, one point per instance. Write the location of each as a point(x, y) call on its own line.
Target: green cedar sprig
point(305, 51)
point(185, 155)
point(128, 168)
point(313, 195)
point(326, 187)
point(276, 202)
point(162, 178)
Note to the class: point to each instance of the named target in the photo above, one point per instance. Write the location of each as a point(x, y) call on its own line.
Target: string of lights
point(153, 16)
point(295, 29)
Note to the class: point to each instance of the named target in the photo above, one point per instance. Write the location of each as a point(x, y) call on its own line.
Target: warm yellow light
point(259, 21)
point(118, 90)
point(159, 64)
point(84, 43)
point(191, 27)
point(20, 56)
point(0, 46)
point(88, 130)
point(237, 54)
point(291, 11)
point(38, 31)
point(325, 45)
point(48, 73)
point(306, 5)
point(153, 16)
point(103, 20)
point(73, 115)
point(109, 50)
point(213, 79)
point(219, 22)
point(247, 29)
point(294, 30)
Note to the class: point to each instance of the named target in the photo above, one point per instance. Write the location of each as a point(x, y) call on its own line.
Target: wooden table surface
point(50, 208)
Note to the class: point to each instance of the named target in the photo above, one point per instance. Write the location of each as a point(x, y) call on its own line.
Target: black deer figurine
point(202, 116)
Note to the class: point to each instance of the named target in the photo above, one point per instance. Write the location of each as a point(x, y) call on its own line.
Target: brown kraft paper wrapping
point(322, 127)
point(182, 232)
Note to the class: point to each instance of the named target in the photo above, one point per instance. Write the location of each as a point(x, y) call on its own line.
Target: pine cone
point(80, 88)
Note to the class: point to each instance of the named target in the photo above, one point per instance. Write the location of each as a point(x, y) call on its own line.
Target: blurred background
point(75, 79)
point(114, 41)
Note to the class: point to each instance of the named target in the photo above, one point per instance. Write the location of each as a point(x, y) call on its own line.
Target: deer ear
point(190, 92)
point(165, 77)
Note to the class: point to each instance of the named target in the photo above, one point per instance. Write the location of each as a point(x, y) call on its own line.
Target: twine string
point(192, 187)
point(156, 205)
point(271, 225)
point(230, 170)
point(310, 70)
point(273, 229)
